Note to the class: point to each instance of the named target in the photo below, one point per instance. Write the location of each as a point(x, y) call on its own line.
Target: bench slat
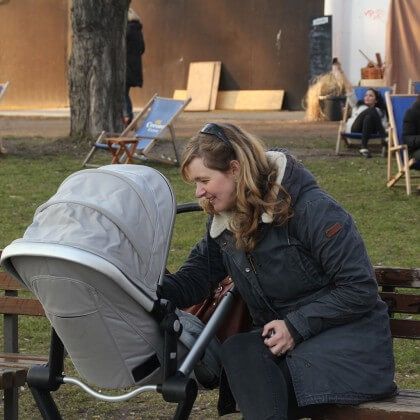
point(402, 302)
point(25, 358)
point(21, 306)
point(405, 406)
point(14, 367)
point(9, 283)
point(16, 377)
point(6, 378)
point(398, 277)
point(405, 328)
point(21, 366)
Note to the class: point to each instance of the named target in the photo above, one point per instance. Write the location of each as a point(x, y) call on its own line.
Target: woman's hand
point(277, 337)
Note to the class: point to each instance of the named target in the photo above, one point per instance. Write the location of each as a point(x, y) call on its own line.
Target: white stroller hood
point(94, 256)
point(122, 213)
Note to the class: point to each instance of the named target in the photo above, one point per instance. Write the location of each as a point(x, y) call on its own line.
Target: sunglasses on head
point(215, 130)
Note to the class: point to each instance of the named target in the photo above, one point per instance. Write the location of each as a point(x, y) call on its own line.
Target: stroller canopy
point(94, 256)
point(121, 213)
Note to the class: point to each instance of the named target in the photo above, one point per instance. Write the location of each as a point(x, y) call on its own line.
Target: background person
point(135, 47)
point(320, 331)
point(368, 116)
point(411, 129)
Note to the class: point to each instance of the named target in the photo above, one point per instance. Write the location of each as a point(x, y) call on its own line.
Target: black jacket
point(411, 127)
point(135, 48)
point(313, 272)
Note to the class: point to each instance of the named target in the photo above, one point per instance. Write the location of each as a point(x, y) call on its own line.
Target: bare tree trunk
point(97, 66)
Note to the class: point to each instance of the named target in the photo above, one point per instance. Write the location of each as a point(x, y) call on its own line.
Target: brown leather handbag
point(238, 320)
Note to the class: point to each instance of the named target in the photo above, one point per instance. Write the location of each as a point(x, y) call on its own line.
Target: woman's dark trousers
point(260, 382)
point(128, 106)
point(368, 122)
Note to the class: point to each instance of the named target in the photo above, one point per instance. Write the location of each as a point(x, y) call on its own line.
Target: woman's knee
point(369, 119)
point(241, 347)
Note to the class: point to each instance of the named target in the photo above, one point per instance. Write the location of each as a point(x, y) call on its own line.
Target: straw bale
point(327, 84)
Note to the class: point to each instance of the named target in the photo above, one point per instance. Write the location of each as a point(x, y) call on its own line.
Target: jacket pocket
point(289, 274)
point(313, 273)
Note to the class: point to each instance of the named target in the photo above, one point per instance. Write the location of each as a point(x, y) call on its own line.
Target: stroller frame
point(177, 385)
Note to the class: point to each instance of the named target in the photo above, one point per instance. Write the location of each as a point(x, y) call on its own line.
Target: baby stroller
point(94, 257)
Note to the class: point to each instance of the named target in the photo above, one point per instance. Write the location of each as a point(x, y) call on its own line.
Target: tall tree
point(97, 66)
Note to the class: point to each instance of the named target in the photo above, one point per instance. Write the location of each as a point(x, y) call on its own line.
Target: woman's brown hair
point(257, 191)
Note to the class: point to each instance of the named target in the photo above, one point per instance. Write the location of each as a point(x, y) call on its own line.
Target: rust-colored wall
point(263, 44)
point(33, 53)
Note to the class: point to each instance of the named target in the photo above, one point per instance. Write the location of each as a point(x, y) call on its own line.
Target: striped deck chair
point(3, 88)
point(154, 122)
point(413, 87)
point(347, 137)
point(397, 106)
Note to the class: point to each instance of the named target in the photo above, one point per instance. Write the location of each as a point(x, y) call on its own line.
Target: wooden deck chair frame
point(131, 128)
point(397, 150)
point(341, 137)
point(3, 89)
point(413, 87)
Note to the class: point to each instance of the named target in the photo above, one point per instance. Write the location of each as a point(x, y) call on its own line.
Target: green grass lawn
point(387, 220)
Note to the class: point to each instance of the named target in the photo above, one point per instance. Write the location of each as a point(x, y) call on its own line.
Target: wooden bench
point(13, 365)
point(396, 289)
point(405, 406)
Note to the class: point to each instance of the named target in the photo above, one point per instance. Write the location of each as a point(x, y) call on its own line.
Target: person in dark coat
point(411, 129)
point(368, 116)
point(135, 47)
point(320, 330)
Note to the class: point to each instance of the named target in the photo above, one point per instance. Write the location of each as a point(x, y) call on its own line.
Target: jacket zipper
point(251, 261)
point(265, 298)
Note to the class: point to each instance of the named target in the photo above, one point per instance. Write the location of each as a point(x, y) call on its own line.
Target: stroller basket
point(94, 257)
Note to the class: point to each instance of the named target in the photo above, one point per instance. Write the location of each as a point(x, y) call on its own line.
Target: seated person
point(411, 129)
point(368, 116)
point(320, 331)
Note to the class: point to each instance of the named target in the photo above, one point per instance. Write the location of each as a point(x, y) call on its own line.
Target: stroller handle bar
point(208, 332)
point(188, 207)
point(109, 398)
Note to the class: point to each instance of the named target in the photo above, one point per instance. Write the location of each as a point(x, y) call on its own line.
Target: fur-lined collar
point(221, 220)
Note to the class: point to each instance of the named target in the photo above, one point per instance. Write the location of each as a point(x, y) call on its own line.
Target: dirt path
point(263, 124)
point(286, 129)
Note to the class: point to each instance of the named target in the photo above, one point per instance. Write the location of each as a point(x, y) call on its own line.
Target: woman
point(320, 332)
point(368, 116)
point(411, 129)
point(134, 72)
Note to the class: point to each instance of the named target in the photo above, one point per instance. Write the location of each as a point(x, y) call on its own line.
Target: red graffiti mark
point(375, 14)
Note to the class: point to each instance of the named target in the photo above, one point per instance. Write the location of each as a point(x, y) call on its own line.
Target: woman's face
point(370, 98)
point(217, 187)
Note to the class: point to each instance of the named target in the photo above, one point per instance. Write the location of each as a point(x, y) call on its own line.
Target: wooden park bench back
point(398, 291)
point(13, 365)
point(398, 287)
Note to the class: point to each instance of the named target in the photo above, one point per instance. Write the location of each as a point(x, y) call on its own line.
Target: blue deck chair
point(154, 122)
point(397, 106)
point(3, 88)
point(347, 137)
point(413, 86)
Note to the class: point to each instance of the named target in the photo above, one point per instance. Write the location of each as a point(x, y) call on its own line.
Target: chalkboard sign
point(320, 46)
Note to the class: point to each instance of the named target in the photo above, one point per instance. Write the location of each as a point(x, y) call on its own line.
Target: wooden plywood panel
point(202, 85)
point(33, 53)
point(180, 94)
point(215, 84)
point(256, 100)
